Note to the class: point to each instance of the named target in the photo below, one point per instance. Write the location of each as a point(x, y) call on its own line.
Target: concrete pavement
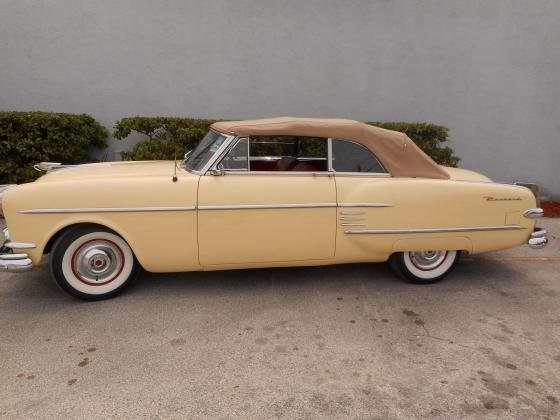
point(338, 342)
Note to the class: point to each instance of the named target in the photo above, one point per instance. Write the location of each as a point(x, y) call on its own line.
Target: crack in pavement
point(429, 335)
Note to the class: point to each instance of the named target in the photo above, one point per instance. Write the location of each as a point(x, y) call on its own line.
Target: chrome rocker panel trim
point(538, 239)
point(432, 230)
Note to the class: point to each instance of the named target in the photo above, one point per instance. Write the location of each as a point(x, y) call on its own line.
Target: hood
point(157, 168)
point(458, 174)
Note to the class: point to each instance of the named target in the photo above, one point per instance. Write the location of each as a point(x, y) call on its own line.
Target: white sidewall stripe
point(430, 274)
point(105, 288)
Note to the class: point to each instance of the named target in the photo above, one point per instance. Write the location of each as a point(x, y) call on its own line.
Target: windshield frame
point(213, 158)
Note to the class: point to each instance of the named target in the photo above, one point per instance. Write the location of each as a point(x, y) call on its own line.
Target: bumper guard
point(14, 262)
point(538, 239)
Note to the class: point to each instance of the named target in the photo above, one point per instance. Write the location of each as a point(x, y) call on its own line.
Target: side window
point(288, 154)
point(312, 148)
point(348, 156)
point(272, 147)
point(237, 159)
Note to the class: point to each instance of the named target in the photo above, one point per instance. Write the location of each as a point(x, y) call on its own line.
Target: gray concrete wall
point(489, 70)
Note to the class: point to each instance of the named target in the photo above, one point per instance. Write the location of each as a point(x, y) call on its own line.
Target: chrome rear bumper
point(533, 213)
point(538, 239)
point(14, 262)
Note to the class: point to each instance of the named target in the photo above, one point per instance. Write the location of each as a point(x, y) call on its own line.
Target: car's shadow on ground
point(468, 275)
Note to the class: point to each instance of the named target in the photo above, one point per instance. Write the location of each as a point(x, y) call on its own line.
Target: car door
point(366, 197)
point(281, 211)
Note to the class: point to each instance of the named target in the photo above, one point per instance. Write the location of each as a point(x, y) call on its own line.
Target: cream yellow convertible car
point(263, 193)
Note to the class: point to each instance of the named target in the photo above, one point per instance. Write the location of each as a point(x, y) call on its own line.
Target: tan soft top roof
point(398, 154)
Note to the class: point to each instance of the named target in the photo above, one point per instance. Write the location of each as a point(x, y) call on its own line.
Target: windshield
point(204, 151)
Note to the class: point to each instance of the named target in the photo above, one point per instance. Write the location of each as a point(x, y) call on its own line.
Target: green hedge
point(167, 137)
point(429, 137)
point(30, 137)
point(27, 138)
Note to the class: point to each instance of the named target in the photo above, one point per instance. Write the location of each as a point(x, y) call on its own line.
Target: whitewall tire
point(92, 262)
point(424, 267)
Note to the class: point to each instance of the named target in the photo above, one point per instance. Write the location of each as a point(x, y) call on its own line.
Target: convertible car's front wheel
point(92, 263)
point(424, 267)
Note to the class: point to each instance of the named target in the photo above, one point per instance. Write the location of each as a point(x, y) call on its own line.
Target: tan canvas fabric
point(398, 154)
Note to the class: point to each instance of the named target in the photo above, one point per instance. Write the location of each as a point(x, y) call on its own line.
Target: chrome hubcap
point(428, 260)
point(98, 261)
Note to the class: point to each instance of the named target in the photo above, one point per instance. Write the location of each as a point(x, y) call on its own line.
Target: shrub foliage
point(30, 137)
point(429, 137)
point(170, 137)
point(166, 137)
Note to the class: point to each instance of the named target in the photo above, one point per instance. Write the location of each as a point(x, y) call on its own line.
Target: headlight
point(3, 189)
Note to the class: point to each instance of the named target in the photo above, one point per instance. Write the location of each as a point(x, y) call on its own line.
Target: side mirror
point(218, 171)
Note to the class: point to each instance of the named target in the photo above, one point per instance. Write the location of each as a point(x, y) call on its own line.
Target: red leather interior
point(263, 165)
point(287, 164)
point(304, 167)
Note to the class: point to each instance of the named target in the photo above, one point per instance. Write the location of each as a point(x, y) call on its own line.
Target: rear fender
point(453, 243)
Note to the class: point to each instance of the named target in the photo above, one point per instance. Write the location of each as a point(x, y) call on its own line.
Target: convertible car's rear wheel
point(92, 263)
point(424, 267)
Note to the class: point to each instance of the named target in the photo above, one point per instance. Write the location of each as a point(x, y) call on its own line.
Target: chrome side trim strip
point(278, 173)
point(274, 158)
point(266, 206)
point(298, 173)
point(192, 208)
point(106, 210)
point(363, 174)
point(365, 205)
point(432, 230)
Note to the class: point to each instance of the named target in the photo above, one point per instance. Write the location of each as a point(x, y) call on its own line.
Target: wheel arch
point(58, 233)
point(451, 243)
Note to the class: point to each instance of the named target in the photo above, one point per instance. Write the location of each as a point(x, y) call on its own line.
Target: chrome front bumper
point(538, 239)
point(14, 262)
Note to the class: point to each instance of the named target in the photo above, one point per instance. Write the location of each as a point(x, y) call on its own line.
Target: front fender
point(161, 240)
